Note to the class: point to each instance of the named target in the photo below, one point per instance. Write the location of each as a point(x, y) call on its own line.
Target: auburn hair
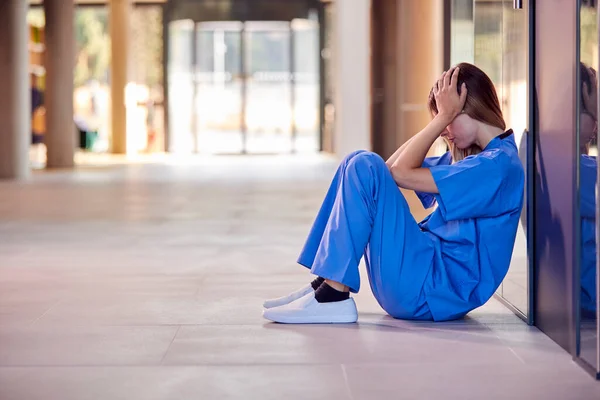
point(482, 104)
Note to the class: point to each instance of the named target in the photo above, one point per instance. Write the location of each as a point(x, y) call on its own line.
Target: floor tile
point(56, 346)
point(333, 344)
point(305, 382)
point(468, 382)
point(145, 280)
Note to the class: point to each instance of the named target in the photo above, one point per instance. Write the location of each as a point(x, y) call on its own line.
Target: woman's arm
point(390, 161)
point(406, 169)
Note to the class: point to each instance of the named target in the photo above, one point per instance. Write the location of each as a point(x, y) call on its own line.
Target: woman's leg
point(367, 214)
point(307, 255)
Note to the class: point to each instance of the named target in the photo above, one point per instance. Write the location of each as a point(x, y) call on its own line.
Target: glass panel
point(306, 84)
point(181, 91)
point(514, 100)
point(146, 115)
point(37, 47)
point(218, 106)
point(91, 96)
point(328, 79)
point(488, 45)
point(488, 39)
point(462, 32)
point(268, 92)
point(588, 150)
point(494, 36)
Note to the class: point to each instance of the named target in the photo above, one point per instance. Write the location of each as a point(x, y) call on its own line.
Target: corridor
point(145, 280)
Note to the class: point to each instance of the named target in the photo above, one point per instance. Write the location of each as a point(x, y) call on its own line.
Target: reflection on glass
point(494, 35)
point(588, 177)
point(514, 101)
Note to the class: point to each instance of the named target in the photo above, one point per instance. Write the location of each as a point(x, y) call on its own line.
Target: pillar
point(58, 96)
point(15, 96)
point(420, 62)
point(119, 34)
point(351, 62)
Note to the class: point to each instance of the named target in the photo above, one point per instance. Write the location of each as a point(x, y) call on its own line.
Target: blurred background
point(232, 86)
point(176, 151)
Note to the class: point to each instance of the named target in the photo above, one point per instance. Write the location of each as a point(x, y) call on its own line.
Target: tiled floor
point(146, 282)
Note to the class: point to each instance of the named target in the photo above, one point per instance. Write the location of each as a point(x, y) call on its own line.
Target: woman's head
point(481, 106)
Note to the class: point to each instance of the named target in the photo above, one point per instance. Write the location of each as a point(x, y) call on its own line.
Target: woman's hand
point(449, 102)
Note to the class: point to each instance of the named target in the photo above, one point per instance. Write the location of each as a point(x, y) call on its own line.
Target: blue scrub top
point(474, 226)
point(587, 184)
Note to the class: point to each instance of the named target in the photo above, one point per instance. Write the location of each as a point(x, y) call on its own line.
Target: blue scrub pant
point(364, 213)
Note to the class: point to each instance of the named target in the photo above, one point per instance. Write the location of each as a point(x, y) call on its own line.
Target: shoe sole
point(322, 319)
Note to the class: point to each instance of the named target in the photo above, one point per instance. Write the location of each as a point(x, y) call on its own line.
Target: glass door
point(587, 152)
point(268, 95)
point(244, 87)
point(515, 101)
point(181, 85)
point(498, 33)
point(305, 84)
point(218, 105)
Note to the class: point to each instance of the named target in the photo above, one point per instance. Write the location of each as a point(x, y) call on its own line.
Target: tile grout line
point(516, 355)
point(56, 303)
point(511, 350)
point(348, 390)
point(169, 346)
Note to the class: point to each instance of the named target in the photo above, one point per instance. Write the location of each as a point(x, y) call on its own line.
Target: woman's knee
point(366, 159)
point(352, 155)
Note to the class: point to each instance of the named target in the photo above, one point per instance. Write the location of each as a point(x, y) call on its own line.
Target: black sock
point(317, 282)
point(327, 294)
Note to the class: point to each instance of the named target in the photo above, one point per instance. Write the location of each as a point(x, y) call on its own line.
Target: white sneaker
point(289, 298)
point(307, 310)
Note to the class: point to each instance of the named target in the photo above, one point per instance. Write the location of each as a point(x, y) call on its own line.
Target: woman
point(588, 178)
point(443, 267)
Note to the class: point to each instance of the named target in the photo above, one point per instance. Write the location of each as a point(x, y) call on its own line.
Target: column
point(351, 61)
point(119, 33)
point(420, 62)
point(58, 96)
point(15, 97)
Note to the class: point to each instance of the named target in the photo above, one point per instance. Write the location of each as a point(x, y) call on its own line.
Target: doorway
point(244, 87)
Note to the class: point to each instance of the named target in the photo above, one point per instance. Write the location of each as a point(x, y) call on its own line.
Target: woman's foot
point(281, 301)
point(310, 310)
point(307, 310)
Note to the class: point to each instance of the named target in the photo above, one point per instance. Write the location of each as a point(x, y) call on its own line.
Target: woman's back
point(474, 227)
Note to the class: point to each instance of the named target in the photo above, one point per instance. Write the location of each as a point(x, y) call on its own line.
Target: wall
point(409, 51)
point(352, 78)
point(555, 169)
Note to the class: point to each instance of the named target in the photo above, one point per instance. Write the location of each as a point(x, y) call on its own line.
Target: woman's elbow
point(399, 173)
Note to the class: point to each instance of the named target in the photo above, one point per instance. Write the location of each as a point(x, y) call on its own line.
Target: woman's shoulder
point(496, 161)
point(486, 156)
